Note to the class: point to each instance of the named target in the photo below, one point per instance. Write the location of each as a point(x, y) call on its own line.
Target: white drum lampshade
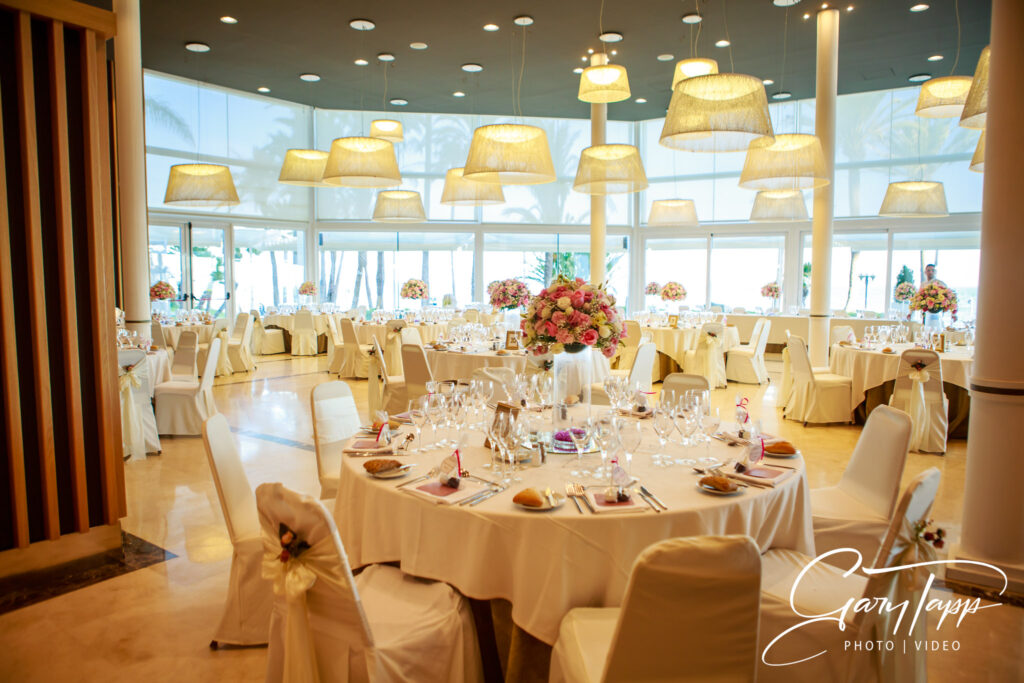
point(200, 185)
point(717, 113)
point(509, 154)
point(610, 169)
point(362, 162)
point(914, 199)
point(787, 162)
point(978, 160)
point(461, 192)
point(604, 83)
point(387, 129)
point(976, 108)
point(303, 167)
point(399, 206)
point(779, 206)
point(943, 98)
point(675, 212)
point(688, 68)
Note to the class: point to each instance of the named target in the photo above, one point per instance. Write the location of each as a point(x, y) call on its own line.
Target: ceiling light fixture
point(578, 70)
point(807, 16)
point(782, 95)
point(398, 101)
point(610, 37)
point(472, 68)
point(228, 20)
point(692, 18)
point(523, 20)
point(976, 108)
point(195, 46)
point(418, 46)
point(789, 162)
point(919, 78)
point(674, 212)
point(263, 88)
point(458, 93)
point(779, 206)
point(919, 7)
point(641, 100)
point(722, 43)
point(309, 78)
point(666, 57)
point(361, 62)
point(491, 27)
point(362, 162)
point(399, 206)
point(387, 129)
point(688, 68)
point(849, 8)
point(943, 98)
point(785, 3)
point(978, 160)
point(610, 169)
point(303, 167)
point(461, 192)
point(768, 81)
point(200, 185)
point(914, 199)
point(509, 154)
point(362, 24)
point(604, 83)
point(717, 113)
point(935, 58)
point(386, 57)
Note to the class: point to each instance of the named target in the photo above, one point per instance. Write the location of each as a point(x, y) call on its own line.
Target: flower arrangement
point(493, 284)
point(414, 289)
point(160, 291)
point(652, 288)
point(771, 291)
point(508, 294)
point(904, 291)
point(307, 288)
point(937, 538)
point(572, 312)
point(673, 291)
point(934, 297)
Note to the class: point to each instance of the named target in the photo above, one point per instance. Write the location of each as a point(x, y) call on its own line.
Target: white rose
point(546, 313)
point(564, 303)
point(557, 348)
point(605, 331)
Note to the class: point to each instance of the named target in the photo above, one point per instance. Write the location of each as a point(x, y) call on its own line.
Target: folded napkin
point(602, 507)
point(437, 492)
point(762, 475)
point(370, 447)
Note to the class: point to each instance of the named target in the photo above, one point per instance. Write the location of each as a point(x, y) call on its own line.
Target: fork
point(571, 492)
point(577, 490)
point(432, 473)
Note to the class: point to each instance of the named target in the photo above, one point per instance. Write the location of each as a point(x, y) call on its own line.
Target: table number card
point(502, 408)
point(673, 321)
point(511, 340)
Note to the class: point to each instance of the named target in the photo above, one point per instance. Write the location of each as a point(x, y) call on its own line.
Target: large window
point(683, 260)
point(956, 256)
point(741, 265)
point(858, 271)
point(268, 267)
point(165, 261)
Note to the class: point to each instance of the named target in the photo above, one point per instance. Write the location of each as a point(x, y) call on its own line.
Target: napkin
point(601, 507)
point(437, 492)
point(368, 447)
point(763, 475)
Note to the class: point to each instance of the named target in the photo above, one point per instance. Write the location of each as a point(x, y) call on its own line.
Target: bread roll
point(378, 465)
point(780, 448)
point(719, 483)
point(530, 498)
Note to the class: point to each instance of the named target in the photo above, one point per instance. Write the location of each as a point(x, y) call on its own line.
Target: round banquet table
point(873, 374)
point(429, 332)
point(673, 343)
point(172, 333)
point(546, 563)
point(459, 365)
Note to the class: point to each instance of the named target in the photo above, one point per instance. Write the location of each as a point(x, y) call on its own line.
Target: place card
point(511, 340)
point(673, 321)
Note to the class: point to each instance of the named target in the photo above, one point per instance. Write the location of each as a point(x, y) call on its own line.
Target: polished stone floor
point(154, 624)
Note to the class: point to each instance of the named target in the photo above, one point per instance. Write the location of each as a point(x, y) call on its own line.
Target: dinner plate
point(396, 473)
point(716, 492)
point(781, 455)
point(559, 502)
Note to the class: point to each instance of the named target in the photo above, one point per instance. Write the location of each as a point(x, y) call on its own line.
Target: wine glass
point(434, 410)
point(606, 435)
point(580, 432)
point(418, 417)
point(663, 427)
point(630, 435)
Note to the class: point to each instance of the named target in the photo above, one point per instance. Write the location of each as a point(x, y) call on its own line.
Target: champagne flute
point(418, 417)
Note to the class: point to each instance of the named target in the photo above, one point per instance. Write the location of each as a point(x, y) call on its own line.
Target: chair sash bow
point(131, 418)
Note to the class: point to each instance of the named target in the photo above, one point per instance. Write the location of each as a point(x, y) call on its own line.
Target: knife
point(648, 501)
point(643, 489)
point(480, 499)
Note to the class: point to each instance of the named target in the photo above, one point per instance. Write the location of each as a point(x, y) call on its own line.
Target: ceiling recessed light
point(919, 78)
point(398, 101)
point(615, 52)
point(197, 47)
point(309, 78)
point(228, 20)
point(578, 70)
point(666, 57)
point(361, 62)
point(583, 58)
point(849, 8)
point(806, 16)
point(491, 27)
point(263, 88)
point(458, 93)
point(723, 43)
point(590, 50)
point(692, 18)
point(935, 58)
point(641, 100)
point(824, 5)
point(472, 68)
point(781, 95)
point(610, 37)
point(785, 3)
point(523, 20)
point(919, 7)
point(418, 46)
point(768, 81)
point(386, 57)
point(362, 24)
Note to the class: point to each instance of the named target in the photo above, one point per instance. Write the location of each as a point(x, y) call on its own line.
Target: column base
point(973, 577)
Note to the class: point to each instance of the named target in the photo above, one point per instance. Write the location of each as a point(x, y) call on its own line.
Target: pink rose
point(540, 350)
point(550, 328)
point(577, 299)
point(580, 281)
point(608, 351)
point(558, 318)
point(563, 337)
point(590, 337)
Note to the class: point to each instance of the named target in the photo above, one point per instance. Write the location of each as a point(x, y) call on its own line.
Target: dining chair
point(156, 331)
point(472, 315)
point(240, 344)
point(265, 342)
point(335, 346)
point(919, 393)
point(689, 613)
point(793, 585)
point(138, 423)
point(250, 598)
point(855, 512)
point(639, 375)
point(840, 333)
point(382, 625)
point(708, 358)
point(816, 397)
point(678, 383)
point(335, 421)
point(184, 365)
point(393, 398)
point(746, 363)
point(355, 356)
point(417, 370)
point(304, 338)
point(222, 367)
point(393, 346)
point(500, 377)
point(628, 346)
point(411, 335)
point(183, 405)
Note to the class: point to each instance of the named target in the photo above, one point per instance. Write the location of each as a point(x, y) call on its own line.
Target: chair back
point(335, 420)
point(394, 325)
point(690, 613)
point(136, 359)
point(762, 340)
point(799, 361)
point(841, 333)
point(303, 319)
point(237, 502)
point(932, 365)
point(416, 369)
point(713, 328)
point(245, 338)
point(632, 337)
point(500, 377)
point(410, 335)
point(381, 361)
point(755, 334)
point(472, 315)
point(348, 333)
point(873, 474)
point(739, 310)
point(641, 373)
point(239, 329)
point(157, 332)
point(715, 308)
point(210, 369)
point(219, 325)
point(184, 364)
point(457, 322)
point(678, 383)
point(332, 330)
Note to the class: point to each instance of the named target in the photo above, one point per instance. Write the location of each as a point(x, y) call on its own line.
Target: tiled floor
point(155, 623)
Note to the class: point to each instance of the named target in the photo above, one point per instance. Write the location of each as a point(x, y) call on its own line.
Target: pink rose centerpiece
point(933, 300)
point(904, 292)
point(673, 291)
point(161, 291)
point(307, 288)
point(414, 289)
point(508, 294)
point(652, 289)
point(772, 291)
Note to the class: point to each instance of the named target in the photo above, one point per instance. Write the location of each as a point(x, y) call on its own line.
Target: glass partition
point(955, 255)
point(683, 260)
point(858, 281)
point(741, 265)
point(269, 266)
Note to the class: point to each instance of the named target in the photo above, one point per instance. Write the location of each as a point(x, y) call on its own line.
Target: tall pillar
point(598, 221)
point(821, 239)
point(131, 162)
point(993, 517)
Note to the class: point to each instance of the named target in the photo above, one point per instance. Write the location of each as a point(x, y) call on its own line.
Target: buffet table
point(798, 325)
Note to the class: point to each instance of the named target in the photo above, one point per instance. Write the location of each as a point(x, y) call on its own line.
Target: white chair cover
point(856, 512)
point(918, 392)
point(825, 589)
point(708, 359)
point(815, 397)
point(842, 333)
point(265, 342)
point(393, 346)
point(138, 424)
point(223, 365)
point(628, 346)
point(304, 340)
point(182, 406)
point(240, 343)
point(391, 395)
point(746, 364)
point(639, 374)
point(689, 614)
point(160, 340)
point(678, 383)
point(335, 345)
point(472, 315)
point(500, 376)
point(355, 356)
point(335, 420)
point(328, 626)
point(417, 370)
point(184, 365)
point(246, 618)
point(410, 335)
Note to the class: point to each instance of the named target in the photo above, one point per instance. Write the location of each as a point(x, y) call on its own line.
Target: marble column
point(598, 221)
point(993, 516)
point(131, 162)
point(821, 238)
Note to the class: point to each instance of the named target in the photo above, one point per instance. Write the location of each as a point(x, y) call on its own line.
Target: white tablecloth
point(675, 342)
point(429, 332)
point(159, 368)
point(172, 333)
point(287, 322)
point(796, 324)
point(873, 368)
point(548, 563)
point(460, 366)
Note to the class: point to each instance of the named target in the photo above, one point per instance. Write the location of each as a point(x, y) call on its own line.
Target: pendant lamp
point(793, 161)
point(677, 212)
point(398, 206)
point(362, 162)
point(610, 169)
point(200, 185)
point(779, 206)
point(717, 113)
point(978, 160)
point(387, 129)
point(914, 199)
point(303, 167)
point(461, 192)
point(604, 83)
point(688, 68)
point(943, 98)
point(976, 108)
point(509, 154)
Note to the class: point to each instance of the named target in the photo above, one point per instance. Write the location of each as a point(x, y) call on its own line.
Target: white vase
point(572, 372)
point(933, 322)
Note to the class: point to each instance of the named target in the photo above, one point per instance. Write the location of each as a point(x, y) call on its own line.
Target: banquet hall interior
point(511, 341)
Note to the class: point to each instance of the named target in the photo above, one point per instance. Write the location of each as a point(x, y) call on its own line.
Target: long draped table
point(673, 343)
point(172, 333)
point(429, 332)
point(798, 325)
point(458, 365)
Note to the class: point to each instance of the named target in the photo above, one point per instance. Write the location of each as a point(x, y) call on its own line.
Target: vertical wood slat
point(104, 360)
point(12, 393)
point(36, 286)
point(66, 255)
